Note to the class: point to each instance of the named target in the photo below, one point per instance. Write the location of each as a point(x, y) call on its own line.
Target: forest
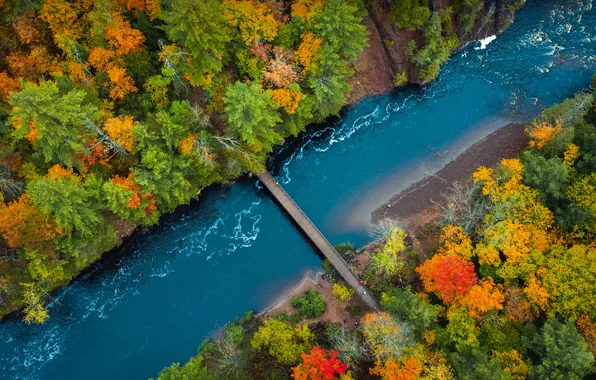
point(506, 291)
point(115, 112)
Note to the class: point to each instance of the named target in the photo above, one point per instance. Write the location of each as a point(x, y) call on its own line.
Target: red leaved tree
point(317, 365)
point(448, 276)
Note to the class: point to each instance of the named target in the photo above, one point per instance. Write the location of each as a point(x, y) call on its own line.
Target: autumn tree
point(27, 27)
point(448, 276)
point(392, 369)
point(288, 98)
point(252, 116)
point(569, 276)
point(8, 85)
point(62, 19)
point(517, 306)
point(587, 328)
point(120, 130)
point(280, 70)
point(283, 341)
point(308, 50)
point(121, 36)
point(53, 122)
point(101, 58)
point(253, 20)
point(23, 225)
point(125, 198)
point(385, 337)
point(455, 241)
point(542, 134)
point(319, 365)
point(120, 84)
point(307, 9)
point(483, 297)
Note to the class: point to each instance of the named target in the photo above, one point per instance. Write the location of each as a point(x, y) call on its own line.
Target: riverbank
point(335, 312)
point(414, 205)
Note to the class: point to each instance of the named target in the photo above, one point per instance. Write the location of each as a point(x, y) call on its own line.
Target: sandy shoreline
point(335, 312)
point(506, 142)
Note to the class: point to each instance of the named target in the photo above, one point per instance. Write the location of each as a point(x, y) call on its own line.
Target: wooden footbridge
point(317, 238)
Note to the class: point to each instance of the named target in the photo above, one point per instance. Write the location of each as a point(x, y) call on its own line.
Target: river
point(150, 302)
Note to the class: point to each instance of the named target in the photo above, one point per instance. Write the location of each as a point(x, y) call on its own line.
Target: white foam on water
point(485, 42)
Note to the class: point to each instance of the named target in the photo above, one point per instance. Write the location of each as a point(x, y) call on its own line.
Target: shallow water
point(151, 302)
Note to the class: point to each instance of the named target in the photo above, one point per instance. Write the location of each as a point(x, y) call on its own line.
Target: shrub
point(401, 79)
point(354, 310)
point(342, 292)
point(310, 305)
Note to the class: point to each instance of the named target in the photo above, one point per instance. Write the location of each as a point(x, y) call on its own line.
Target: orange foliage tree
point(25, 24)
point(536, 293)
point(120, 129)
point(543, 133)
point(122, 36)
point(448, 276)
point(286, 98)
point(483, 297)
point(317, 365)
point(150, 7)
point(307, 8)
point(517, 306)
point(62, 19)
point(128, 184)
point(308, 50)
point(587, 327)
point(100, 58)
point(120, 84)
point(7, 85)
point(281, 71)
point(393, 370)
point(23, 225)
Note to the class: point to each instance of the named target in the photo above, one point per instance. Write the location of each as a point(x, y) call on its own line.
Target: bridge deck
point(317, 238)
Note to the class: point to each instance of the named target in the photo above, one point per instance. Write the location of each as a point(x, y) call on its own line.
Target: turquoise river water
point(151, 302)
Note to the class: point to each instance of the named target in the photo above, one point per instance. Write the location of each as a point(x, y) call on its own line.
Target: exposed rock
point(385, 56)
